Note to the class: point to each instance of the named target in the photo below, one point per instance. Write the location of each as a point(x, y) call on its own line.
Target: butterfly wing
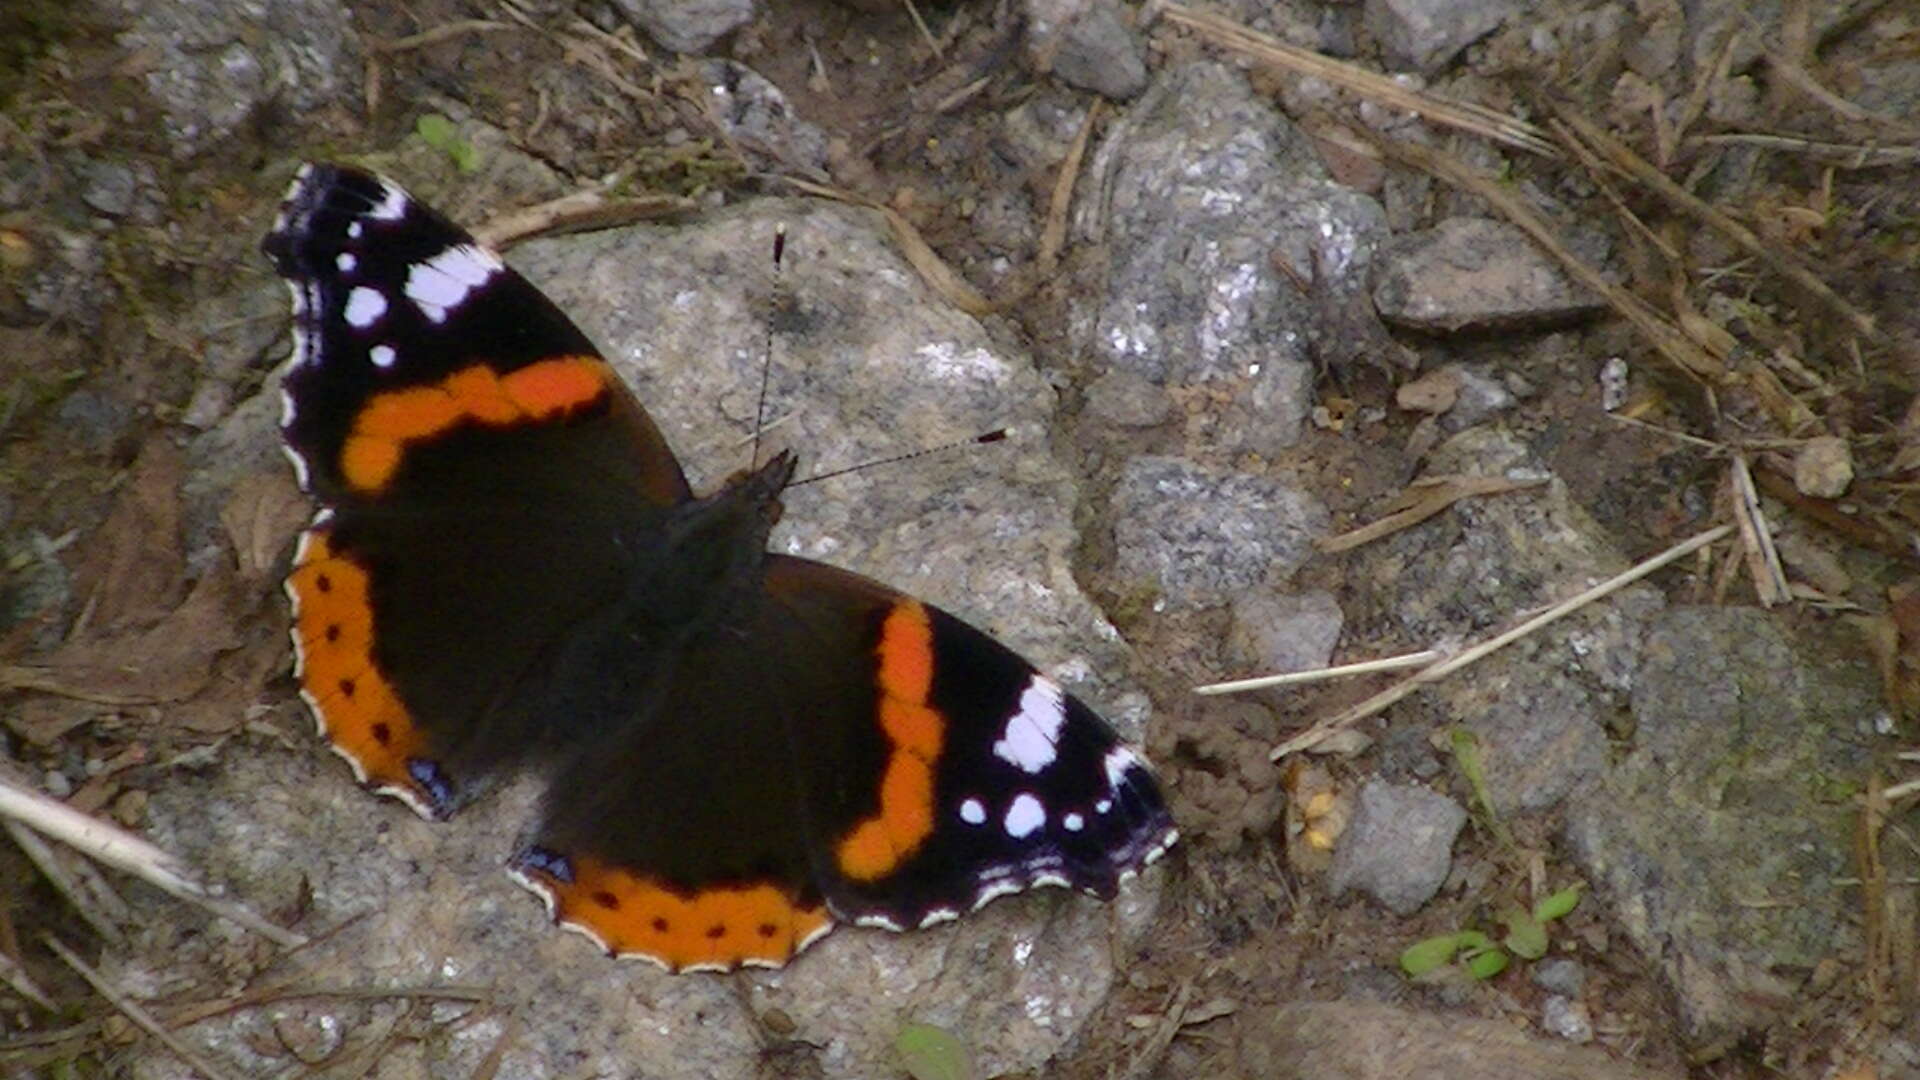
point(907, 767)
point(960, 773)
point(481, 472)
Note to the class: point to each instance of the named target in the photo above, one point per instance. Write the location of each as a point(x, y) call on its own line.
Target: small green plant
point(1482, 957)
point(932, 1053)
point(439, 132)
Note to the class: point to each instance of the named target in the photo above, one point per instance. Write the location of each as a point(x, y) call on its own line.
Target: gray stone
point(1566, 1018)
point(1089, 47)
point(108, 187)
point(865, 353)
point(1538, 707)
point(1559, 975)
point(93, 420)
point(1201, 537)
point(756, 114)
point(1193, 196)
point(1474, 274)
point(214, 63)
point(1281, 632)
point(1713, 843)
point(687, 26)
point(1124, 399)
point(1399, 846)
point(1426, 34)
point(1823, 467)
point(1481, 397)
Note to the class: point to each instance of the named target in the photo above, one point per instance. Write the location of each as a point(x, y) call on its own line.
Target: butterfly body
point(509, 571)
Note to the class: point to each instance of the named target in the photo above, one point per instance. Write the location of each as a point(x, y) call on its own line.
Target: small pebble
point(1823, 468)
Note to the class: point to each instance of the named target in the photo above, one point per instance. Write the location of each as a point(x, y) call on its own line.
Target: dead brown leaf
point(261, 516)
point(130, 567)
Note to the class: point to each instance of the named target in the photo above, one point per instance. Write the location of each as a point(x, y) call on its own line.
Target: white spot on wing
point(346, 262)
point(442, 282)
point(382, 356)
point(1074, 822)
point(392, 205)
point(1119, 762)
point(1028, 741)
point(972, 812)
point(364, 307)
point(1024, 815)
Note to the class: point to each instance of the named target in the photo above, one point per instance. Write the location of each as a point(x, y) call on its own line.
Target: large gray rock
point(1538, 707)
point(1197, 192)
point(867, 363)
point(687, 26)
point(1715, 844)
point(1363, 1041)
point(1426, 34)
point(1198, 537)
point(1475, 274)
point(213, 63)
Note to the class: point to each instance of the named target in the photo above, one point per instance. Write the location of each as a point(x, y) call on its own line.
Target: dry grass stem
point(83, 900)
point(1660, 332)
point(1839, 155)
point(1421, 501)
point(118, 848)
point(579, 211)
point(444, 32)
point(1382, 89)
point(1576, 128)
point(21, 983)
point(927, 262)
point(1053, 237)
point(920, 24)
point(139, 1016)
point(1320, 731)
point(1756, 538)
point(1338, 671)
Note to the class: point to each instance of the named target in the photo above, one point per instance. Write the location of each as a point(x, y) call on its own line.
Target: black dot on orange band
point(607, 900)
point(323, 583)
point(382, 734)
point(767, 929)
point(333, 631)
point(346, 687)
point(717, 932)
point(659, 925)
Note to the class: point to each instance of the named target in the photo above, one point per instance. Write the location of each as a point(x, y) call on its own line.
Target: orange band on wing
point(476, 394)
point(879, 844)
point(714, 928)
point(354, 704)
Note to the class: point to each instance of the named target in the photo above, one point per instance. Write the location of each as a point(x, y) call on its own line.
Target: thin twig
point(1465, 115)
point(1632, 165)
point(1441, 670)
point(1842, 155)
point(1756, 538)
point(118, 848)
point(135, 1013)
point(21, 983)
point(1054, 236)
point(1338, 671)
point(62, 879)
point(436, 35)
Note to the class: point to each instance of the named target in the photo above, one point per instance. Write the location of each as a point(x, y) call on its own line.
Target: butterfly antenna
point(994, 436)
point(766, 352)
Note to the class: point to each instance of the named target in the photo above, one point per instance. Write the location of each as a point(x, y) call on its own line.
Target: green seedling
point(439, 132)
point(1479, 955)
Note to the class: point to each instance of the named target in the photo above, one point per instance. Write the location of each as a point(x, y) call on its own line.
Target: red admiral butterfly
point(508, 570)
